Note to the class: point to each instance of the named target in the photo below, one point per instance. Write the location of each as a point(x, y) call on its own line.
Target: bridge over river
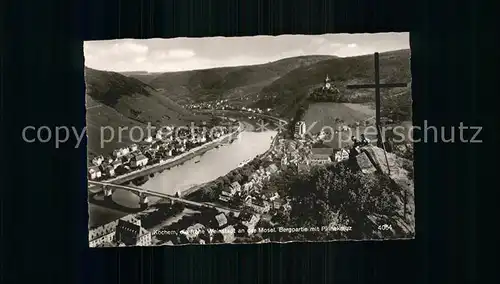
point(187, 177)
point(144, 193)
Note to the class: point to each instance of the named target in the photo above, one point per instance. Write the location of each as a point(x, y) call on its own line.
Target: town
point(227, 105)
point(168, 142)
point(247, 189)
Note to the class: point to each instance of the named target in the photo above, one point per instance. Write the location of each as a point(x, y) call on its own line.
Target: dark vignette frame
point(44, 219)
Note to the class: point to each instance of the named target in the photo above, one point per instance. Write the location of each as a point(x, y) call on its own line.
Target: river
point(211, 165)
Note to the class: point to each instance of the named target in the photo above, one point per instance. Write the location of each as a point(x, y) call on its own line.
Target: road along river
point(214, 163)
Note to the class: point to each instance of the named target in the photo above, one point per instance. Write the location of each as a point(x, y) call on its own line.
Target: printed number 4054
point(385, 227)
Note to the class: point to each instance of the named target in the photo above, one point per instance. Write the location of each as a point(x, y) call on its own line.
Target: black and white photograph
point(248, 140)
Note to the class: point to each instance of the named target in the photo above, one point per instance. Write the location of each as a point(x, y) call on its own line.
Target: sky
point(180, 54)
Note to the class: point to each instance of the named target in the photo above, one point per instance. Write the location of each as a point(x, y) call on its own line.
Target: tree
point(217, 238)
point(237, 200)
point(218, 183)
point(281, 218)
point(178, 207)
point(246, 172)
point(240, 230)
point(215, 121)
point(237, 177)
point(335, 194)
point(226, 180)
point(211, 192)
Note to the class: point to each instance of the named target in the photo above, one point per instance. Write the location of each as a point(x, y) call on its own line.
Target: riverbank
point(172, 162)
point(196, 194)
point(273, 143)
point(188, 177)
point(243, 113)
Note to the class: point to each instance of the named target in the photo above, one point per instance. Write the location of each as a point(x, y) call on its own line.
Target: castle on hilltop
point(327, 85)
point(326, 93)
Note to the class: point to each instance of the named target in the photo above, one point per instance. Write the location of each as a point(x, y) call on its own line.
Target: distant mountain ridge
point(284, 84)
point(128, 73)
point(288, 92)
point(224, 82)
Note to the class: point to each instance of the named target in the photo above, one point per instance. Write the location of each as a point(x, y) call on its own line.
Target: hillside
point(334, 115)
point(360, 193)
point(234, 83)
point(291, 90)
point(286, 84)
point(115, 100)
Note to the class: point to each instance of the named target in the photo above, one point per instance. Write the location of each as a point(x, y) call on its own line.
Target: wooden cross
point(377, 87)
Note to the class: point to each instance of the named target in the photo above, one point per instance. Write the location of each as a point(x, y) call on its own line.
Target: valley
point(115, 101)
point(283, 85)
